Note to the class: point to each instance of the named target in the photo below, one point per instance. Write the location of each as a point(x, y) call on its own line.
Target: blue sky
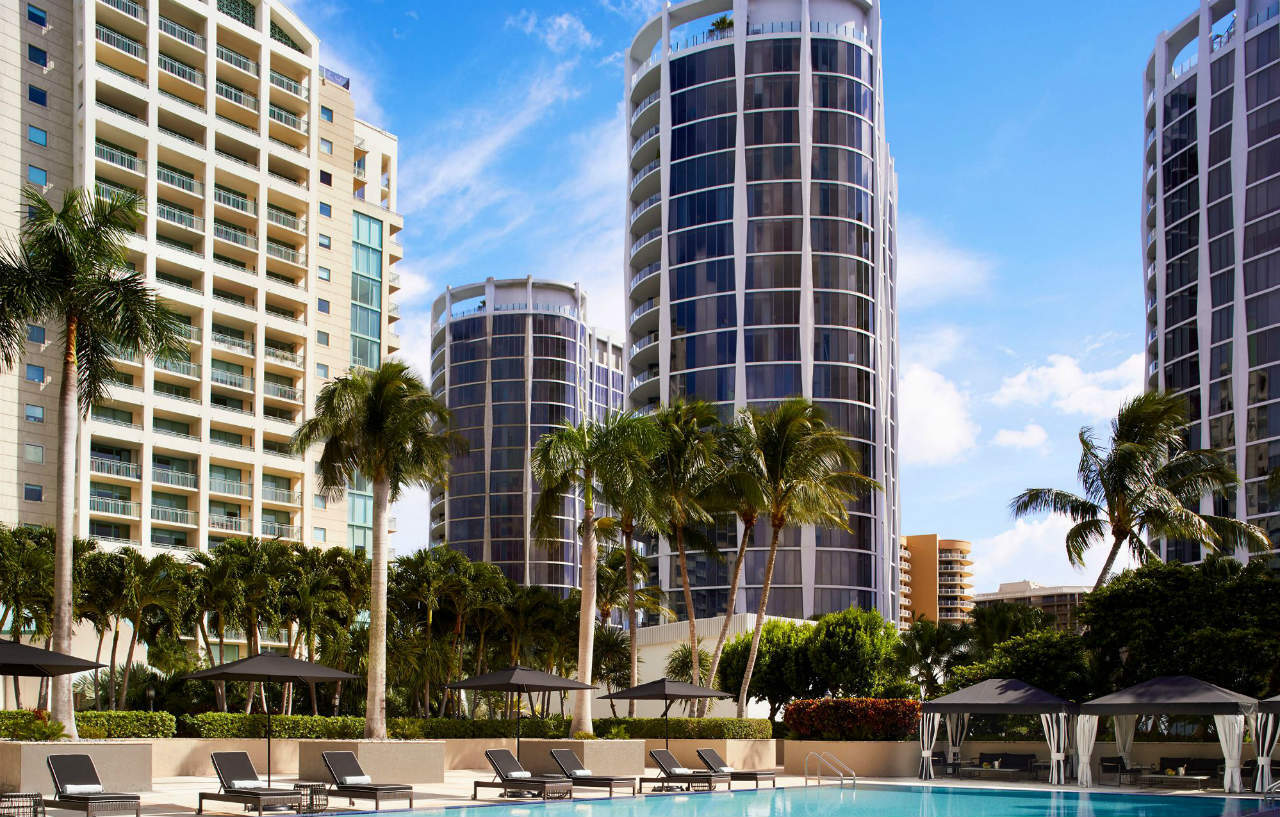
point(1017, 136)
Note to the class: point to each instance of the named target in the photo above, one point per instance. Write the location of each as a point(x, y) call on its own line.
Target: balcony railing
point(286, 253)
point(118, 507)
point(117, 40)
point(114, 468)
point(181, 32)
point(106, 189)
point(119, 158)
point(172, 476)
point(644, 105)
point(643, 377)
point(281, 81)
point(286, 219)
point(231, 234)
point(284, 392)
point(130, 8)
point(233, 524)
point(231, 92)
point(180, 217)
point(230, 487)
point(238, 60)
point(648, 305)
point(180, 181)
point(233, 343)
point(645, 239)
point(649, 269)
point(644, 171)
point(283, 355)
point(644, 205)
point(182, 367)
point(272, 494)
point(277, 530)
point(287, 119)
point(644, 342)
point(237, 381)
point(235, 201)
point(644, 138)
point(180, 70)
point(177, 516)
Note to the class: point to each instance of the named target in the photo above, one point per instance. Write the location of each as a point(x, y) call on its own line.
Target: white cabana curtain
point(1266, 728)
point(1055, 732)
point(1231, 736)
point(1125, 726)
point(957, 725)
point(1086, 734)
point(928, 735)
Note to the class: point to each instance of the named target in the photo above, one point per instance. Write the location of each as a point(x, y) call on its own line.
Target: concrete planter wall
point(740, 754)
point(468, 753)
point(610, 757)
point(387, 761)
point(123, 765)
point(872, 758)
point(189, 757)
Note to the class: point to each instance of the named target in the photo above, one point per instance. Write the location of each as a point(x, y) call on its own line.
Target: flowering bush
point(853, 718)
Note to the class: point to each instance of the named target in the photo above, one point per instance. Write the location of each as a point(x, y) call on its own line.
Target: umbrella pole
point(666, 725)
point(267, 704)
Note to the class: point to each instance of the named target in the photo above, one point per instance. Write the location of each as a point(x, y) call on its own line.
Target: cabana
point(996, 696)
point(1266, 728)
point(1168, 695)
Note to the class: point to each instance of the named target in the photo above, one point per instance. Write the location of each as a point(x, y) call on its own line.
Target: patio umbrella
point(33, 662)
point(664, 689)
point(521, 680)
point(266, 667)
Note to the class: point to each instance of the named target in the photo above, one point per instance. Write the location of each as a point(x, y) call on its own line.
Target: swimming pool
point(876, 800)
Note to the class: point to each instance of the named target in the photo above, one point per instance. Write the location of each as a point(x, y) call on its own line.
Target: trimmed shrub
point(93, 725)
point(704, 728)
point(853, 718)
point(240, 725)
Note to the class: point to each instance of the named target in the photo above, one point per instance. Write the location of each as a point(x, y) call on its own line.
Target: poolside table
point(1199, 781)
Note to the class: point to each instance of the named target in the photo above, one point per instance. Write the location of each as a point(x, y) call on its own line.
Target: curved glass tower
point(513, 358)
point(759, 263)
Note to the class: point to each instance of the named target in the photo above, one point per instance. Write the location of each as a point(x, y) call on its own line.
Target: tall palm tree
point(570, 462)
point(68, 267)
point(688, 462)
point(26, 573)
point(382, 425)
point(151, 586)
point(622, 582)
point(219, 597)
point(311, 595)
point(1142, 486)
point(811, 475)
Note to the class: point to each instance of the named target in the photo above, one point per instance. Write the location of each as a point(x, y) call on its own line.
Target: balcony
point(235, 201)
point(283, 392)
point(238, 60)
point(283, 356)
point(172, 476)
point(289, 254)
point(242, 98)
point(643, 172)
point(651, 269)
point(120, 42)
point(644, 240)
point(181, 33)
point(115, 507)
point(648, 306)
point(277, 530)
point(235, 381)
point(284, 218)
point(231, 524)
point(180, 181)
point(180, 70)
point(115, 468)
point(233, 343)
point(230, 487)
point(177, 366)
point(130, 8)
point(643, 377)
point(644, 139)
point(644, 342)
point(182, 218)
point(278, 114)
point(119, 158)
point(175, 516)
point(281, 495)
point(640, 208)
point(644, 104)
point(281, 81)
point(242, 238)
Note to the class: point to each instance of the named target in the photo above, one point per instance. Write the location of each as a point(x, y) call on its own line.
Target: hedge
point(853, 718)
point(95, 725)
point(239, 725)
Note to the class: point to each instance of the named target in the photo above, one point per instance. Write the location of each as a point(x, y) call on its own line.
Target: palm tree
point(811, 475)
point(615, 589)
point(688, 462)
point(1144, 485)
point(612, 656)
point(570, 462)
point(219, 597)
point(927, 652)
point(680, 667)
point(151, 586)
point(97, 602)
point(26, 572)
point(69, 267)
point(380, 425)
point(312, 595)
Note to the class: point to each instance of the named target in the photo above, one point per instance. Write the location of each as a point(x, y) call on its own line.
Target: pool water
point(872, 800)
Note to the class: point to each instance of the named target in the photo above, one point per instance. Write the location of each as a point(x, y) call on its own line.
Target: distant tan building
point(934, 579)
point(1062, 602)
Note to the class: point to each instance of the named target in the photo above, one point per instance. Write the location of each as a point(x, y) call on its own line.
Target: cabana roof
point(1172, 695)
point(1271, 705)
point(999, 696)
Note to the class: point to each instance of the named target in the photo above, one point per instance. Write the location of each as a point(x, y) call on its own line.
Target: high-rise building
point(269, 228)
point(1210, 227)
point(1062, 602)
point(940, 573)
point(759, 261)
point(513, 358)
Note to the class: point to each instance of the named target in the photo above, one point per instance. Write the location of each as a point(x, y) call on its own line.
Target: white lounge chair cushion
point(727, 769)
point(246, 784)
point(83, 788)
point(520, 775)
point(681, 770)
point(356, 780)
point(581, 772)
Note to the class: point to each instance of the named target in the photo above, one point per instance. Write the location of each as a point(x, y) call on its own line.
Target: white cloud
point(936, 427)
point(932, 348)
point(633, 9)
point(1032, 436)
point(560, 32)
point(1035, 549)
point(413, 521)
point(931, 269)
point(415, 283)
point(1065, 385)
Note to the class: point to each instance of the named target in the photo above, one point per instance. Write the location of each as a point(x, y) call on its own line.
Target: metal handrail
point(841, 772)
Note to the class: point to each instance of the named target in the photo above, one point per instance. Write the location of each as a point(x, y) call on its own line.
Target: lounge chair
point(77, 787)
point(714, 763)
point(238, 782)
point(673, 774)
point(512, 777)
point(350, 781)
point(573, 769)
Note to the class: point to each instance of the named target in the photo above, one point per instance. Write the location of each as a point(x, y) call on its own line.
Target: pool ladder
point(826, 766)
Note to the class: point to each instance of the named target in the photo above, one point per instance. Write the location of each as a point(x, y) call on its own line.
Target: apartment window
point(322, 370)
point(33, 453)
point(34, 413)
point(35, 334)
point(325, 241)
point(37, 95)
point(318, 534)
point(326, 113)
point(37, 55)
point(326, 209)
point(35, 373)
point(321, 502)
point(322, 338)
point(37, 175)
point(323, 272)
point(323, 306)
point(326, 177)
point(38, 136)
point(37, 15)
point(326, 146)
point(32, 492)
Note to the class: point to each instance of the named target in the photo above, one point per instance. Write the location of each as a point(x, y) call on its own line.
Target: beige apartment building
point(935, 579)
point(1062, 602)
point(270, 228)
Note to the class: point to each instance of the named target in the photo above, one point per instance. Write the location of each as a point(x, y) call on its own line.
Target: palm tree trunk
point(222, 658)
point(1110, 563)
point(749, 526)
point(111, 669)
point(375, 718)
point(97, 659)
point(218, 689)
point(62, 707)
point(128, 662)
point(688, 607)
point(632, 622)
point(15, 634)
point(586, 618)
point(755, 635)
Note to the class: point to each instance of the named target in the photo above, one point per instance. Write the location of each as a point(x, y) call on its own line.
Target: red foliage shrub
point(853, 718)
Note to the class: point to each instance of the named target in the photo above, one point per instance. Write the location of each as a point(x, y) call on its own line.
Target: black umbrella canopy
point(999, 696)
point(270, 666)
point(664, 689)
point(519, 679)
point(1271, 705)
point(1172, 695)
point(33, 662)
